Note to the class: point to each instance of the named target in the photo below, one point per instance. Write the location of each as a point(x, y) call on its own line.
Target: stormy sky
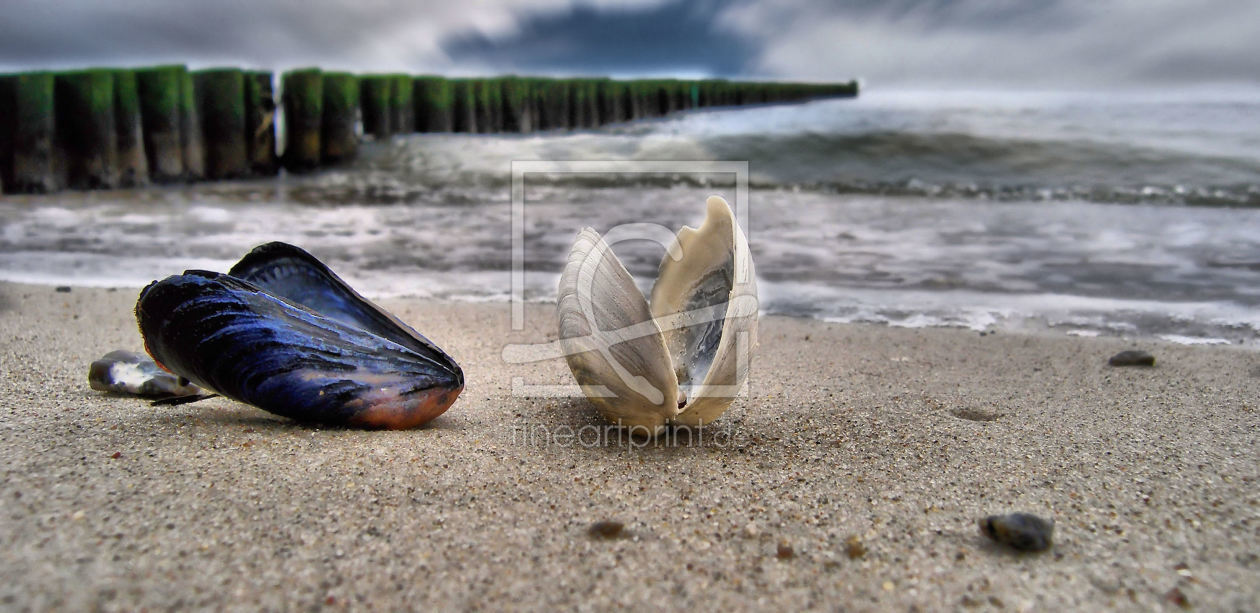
point(1015, 43)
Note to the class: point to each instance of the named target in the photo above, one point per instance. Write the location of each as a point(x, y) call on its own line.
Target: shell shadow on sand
point(284, 333)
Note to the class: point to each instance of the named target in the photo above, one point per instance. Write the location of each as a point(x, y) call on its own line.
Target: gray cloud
point(1056, 43)
point(361, 35)
point(1053, 43)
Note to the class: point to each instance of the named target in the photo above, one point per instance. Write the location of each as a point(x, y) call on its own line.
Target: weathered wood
point(221, 109)
point(374, 99)
point(517, 114)
point(555, 103)
point(8, 110)
point(434, 99)
point(303, 100)
point(610, 96)
point(260, 124)
point(84, 101)
point(33, 135)
point(159, 92)
point(190, 130)
point(402, 110)
point(338, 140)
point(489, 105)
point(465, 105)
point(133, 165)
point(102, 128)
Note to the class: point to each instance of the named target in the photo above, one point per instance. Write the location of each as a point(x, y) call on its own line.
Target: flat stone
point(1132, 357)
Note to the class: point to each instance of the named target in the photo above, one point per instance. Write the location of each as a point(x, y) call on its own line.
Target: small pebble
point(606, 529)
point(1132, 357)
point(1022, 531)
point(785, 552)
point(1177, 597)
point(854, 548)
point(63, 289)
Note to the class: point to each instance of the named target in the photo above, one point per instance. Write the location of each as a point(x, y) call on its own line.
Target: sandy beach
point(851, 477)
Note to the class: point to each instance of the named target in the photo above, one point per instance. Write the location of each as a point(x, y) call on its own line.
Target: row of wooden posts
point(107, 128)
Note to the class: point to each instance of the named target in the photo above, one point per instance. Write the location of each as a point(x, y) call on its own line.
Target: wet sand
point(851, 477)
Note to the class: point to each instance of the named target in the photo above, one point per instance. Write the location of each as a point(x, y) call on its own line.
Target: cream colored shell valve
point(683, 357)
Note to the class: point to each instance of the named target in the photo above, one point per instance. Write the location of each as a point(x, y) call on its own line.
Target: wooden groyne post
point(27, 138)
point(337, 138)
point(260, 123)
point(221, 109)
point(434, 99)
point(84, 101)
point(103, 128)
point(303, 99)
point(402, 110)
point(465, 105)
point(190, 130)
point(374, 98)
point(133, 166)
point(159, 93)
point(489, 105)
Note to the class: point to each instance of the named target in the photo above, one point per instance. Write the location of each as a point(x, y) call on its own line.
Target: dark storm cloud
point(672, 38)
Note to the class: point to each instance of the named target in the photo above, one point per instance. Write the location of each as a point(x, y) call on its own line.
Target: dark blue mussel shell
point(280, 331)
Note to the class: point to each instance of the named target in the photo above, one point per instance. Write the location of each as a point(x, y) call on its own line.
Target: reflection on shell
point(684, 358)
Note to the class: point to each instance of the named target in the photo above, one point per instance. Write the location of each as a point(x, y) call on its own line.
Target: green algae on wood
point(590, 88)
point(337, 139)
point(190, 130)
point(8, 107)
point(133, 165)
point(260, 123)
point(465, 105)
point(303, 100)
point(374, 98)
point(434, 99)
point(33, 134)
point(402, 111)
point(611, 96)
point(577, 103)
point(554, 104)
point(517, 116)
point(221, 109)
point(84, 101)
point(489, 105)
point(159, 93)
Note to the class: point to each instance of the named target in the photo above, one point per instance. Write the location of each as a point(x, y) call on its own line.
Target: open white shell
point(684, 359)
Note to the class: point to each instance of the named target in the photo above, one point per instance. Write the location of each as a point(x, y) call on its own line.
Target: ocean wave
point(459, 169)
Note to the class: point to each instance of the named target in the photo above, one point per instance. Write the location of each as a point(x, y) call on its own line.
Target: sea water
point(1130, 214)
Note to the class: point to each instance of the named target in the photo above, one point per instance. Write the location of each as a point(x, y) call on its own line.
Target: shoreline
point(898, 439)
point(1036, 324)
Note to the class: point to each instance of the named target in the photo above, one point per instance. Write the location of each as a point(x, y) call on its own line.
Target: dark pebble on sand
point(1132, 357)
point(785, 552)
point(607, 529)
point(63, 289)
point(1022, 531)
point(854, 548)
point(1177, 597)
